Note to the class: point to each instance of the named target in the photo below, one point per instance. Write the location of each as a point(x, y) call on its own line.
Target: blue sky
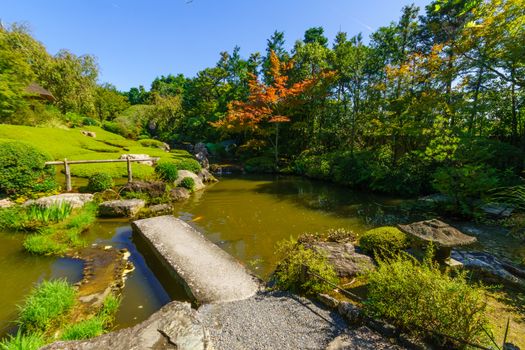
point(135, 41)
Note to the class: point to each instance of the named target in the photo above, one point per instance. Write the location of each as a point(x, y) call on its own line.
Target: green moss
point(383, 241)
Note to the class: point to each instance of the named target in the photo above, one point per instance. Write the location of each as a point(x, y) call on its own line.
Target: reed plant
point(49, 214)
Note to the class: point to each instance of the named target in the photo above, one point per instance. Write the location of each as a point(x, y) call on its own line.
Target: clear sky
point(137, 40)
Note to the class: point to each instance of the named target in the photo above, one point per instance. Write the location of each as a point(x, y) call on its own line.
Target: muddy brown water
point(245, 215)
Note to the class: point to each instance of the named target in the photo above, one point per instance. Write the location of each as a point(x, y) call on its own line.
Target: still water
point(246, 216)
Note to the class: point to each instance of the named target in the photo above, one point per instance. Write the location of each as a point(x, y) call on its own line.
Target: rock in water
point(175, 326)
point(199, 185)
point(121, 208)
point(179, 194)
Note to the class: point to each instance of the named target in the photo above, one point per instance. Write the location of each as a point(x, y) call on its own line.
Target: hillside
point(73, 145)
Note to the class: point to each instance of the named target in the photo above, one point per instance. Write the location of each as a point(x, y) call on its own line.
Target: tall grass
point(22, 341)
point(45, 305)
point(57, 239)
point(86, 329)
point(96, 325)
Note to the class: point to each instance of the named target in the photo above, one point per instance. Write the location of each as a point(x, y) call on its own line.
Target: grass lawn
point(71, 144)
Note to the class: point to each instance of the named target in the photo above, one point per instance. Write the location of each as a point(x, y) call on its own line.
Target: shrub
point(167, 171)
point(294, 272)
point(420, 298)
point(383, 241)
point(22, 170)
point(99, 182)
point(188, 164)
point(187, 183)
point(151, 143)
point(260, 165)
point(46, 304)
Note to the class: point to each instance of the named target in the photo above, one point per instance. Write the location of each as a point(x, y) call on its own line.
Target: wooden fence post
point(67, 170)
point(130, 174)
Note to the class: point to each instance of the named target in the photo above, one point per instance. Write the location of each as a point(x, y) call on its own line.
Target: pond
point(245, 215)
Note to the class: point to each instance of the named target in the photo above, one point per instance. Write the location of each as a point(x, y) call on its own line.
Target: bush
point(151, 143)
point(383, 241)
point(99, 182)
point(187, 183)
point(260, 165)
point(420, 298)
point(167, 171)
point(22, 170)
point(187, 164)
point(294, 271)
point(46, 304)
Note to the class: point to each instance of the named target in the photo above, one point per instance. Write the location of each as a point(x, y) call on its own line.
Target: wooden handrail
point(66, 163)
point(61, 162)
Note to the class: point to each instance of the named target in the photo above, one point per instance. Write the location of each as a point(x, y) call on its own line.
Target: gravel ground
point(276, 320)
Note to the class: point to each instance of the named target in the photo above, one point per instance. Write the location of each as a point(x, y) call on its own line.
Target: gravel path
point(274, 320)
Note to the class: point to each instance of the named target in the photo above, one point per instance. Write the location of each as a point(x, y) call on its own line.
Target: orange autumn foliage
point(266, 103)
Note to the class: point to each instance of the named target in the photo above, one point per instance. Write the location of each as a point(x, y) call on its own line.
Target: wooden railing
point(66, 163)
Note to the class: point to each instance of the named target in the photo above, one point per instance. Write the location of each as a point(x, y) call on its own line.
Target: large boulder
point(154, 189)
point(343, 257)
point(175, 326)
point(201, 153)
point(199, 185)
point(179, 194)
point(76, 200)
point(121, 208)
